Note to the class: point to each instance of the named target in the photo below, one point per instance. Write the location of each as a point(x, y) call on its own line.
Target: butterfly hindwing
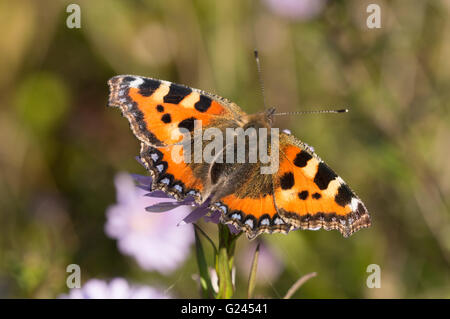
point(249, 203)
point(176, 179)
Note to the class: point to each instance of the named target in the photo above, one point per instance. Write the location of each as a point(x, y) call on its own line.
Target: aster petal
point(233, 229)
point(214, 217)
point(157, 194)
point(163, 207)
point(194, 216)
point(142, 180)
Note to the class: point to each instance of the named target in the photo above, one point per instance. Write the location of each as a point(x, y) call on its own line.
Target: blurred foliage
point(60, 147)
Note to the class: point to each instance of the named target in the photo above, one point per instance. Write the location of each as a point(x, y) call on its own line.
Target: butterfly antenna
point(261, 84)
point(312, 112)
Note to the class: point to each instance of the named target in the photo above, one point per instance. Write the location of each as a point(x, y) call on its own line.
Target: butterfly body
point(303, 192)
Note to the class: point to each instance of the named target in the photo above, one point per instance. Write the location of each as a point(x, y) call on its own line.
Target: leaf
point(207, 237)
point(205, 280)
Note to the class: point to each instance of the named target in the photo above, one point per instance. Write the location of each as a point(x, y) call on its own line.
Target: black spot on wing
point(316, 196)
point(302, 159)
point(176, 93)
point(287, 181)
point(303, 195)
point(166, 118)
point(203, 104)
point(324, 176)
point(148, 87)
point(160, 108)
point(344, 195)
point(187, 124)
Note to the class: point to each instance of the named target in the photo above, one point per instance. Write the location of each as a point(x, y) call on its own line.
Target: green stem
point(224, 262)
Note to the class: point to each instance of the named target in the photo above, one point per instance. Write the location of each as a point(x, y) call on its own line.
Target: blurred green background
point(60, 147)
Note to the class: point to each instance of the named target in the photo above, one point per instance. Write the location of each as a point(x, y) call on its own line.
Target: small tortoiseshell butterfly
point(304, 192)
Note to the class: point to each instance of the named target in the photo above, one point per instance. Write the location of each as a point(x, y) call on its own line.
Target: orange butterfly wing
point(253, 215)
point(309, 195)
point(251, 205)
point(157, 110)
point(176, 179)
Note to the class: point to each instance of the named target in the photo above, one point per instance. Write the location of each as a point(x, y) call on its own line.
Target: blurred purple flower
point(296, 9)
point(270, 264)
point(154, 240)
point(117, 288)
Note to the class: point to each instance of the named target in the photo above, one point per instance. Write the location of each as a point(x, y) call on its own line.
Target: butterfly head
point(260, 119)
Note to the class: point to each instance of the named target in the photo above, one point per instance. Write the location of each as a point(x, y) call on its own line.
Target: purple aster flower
point(296, 9)
point(117, 288)
point(154, 240)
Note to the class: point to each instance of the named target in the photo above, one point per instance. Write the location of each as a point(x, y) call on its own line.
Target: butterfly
point(303, 193)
